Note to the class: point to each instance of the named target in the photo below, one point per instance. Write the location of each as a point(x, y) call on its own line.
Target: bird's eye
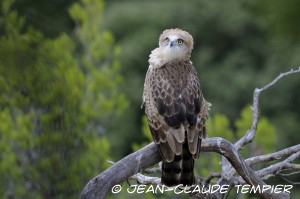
point(167, 39)
point(180, 41)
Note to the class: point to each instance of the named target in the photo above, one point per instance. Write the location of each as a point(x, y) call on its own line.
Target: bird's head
point(173, 44)
point(176, 43)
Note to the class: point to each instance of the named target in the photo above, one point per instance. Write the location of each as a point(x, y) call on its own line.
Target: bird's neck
point(159, 58)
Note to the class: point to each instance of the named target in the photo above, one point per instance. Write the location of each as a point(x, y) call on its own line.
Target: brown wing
point(173, 102)
point(176, 93)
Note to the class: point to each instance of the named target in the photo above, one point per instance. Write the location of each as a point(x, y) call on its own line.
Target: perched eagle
point(175, 107)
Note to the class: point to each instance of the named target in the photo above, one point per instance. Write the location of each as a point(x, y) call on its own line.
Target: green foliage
point(265, 135)
point(219, 126)
point(53, 100)
point(283, 16)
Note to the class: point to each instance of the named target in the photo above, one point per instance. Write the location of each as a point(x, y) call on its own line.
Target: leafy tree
point(55, 96)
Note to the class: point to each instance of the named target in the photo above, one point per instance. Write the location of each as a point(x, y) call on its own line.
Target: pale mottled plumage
point(175, 107)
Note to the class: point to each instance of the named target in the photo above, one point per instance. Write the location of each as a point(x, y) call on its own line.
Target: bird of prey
point(175, 107)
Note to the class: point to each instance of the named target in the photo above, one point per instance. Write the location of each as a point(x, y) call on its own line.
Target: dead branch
point(273, 156)
point(274, 169)
point(250, 135)
point(142, 179)
point(279, 166)
point(120, 171)
point(269, 157)
point(127, 167)
point(152, 170)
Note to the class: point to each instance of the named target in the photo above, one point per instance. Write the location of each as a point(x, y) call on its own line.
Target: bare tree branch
point(142, 179)
point(279, 166)
point(250, 135)
point(273, 156)
point(284, 175)
point(293, 166)
point(99, 186)
point(274, 169)
point(289, 181)
point(226, 149)
point(152, 170)
point(119, 172)
point(289, 174)
point(269, 157)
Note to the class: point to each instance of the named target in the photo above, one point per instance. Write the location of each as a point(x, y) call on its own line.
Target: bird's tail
point(187, 175)
point(180, 170)
point(171, 171)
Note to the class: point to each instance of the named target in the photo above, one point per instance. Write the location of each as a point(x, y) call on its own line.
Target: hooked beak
point(172, 43)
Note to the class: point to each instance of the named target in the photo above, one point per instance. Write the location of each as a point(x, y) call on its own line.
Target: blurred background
point(72, 74)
